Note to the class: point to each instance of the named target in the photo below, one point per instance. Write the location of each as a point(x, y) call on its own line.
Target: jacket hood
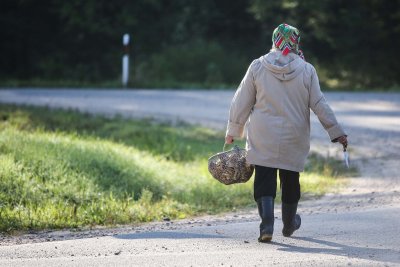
point(283, 67)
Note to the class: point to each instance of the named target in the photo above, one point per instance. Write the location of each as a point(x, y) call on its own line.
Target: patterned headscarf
point(287, 38)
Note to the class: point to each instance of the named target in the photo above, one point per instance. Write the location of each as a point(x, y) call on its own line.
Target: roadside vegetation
point(193, 44)
point(62, 169)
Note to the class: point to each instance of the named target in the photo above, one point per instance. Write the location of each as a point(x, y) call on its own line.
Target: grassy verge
point(328, 85)
point(37, 83)
point(65, 169)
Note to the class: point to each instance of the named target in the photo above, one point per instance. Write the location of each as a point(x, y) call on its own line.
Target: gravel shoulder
point(357, 226)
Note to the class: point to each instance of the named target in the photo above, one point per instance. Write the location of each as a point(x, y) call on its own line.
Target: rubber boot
point(291, 220)
point(266, 212)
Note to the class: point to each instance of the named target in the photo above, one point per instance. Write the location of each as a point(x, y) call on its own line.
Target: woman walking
point(275, 98)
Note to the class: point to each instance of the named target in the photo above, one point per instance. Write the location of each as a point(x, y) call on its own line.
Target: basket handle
point(223, 149)
point(225, 145)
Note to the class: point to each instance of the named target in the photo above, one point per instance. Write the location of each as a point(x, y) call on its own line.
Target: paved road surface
point(358, 227)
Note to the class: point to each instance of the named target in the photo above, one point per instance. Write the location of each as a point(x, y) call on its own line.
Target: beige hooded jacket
point(275, 98)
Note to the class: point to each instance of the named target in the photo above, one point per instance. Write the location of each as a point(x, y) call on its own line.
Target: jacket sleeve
point(323, 111)
point(241, 105)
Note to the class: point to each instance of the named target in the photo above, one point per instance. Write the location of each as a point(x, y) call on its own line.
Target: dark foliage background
point(188, 43)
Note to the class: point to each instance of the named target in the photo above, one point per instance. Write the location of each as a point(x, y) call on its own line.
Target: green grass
point(66, 169)
point(73, 84)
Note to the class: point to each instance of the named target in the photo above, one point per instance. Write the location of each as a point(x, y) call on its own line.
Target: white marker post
point(125, 60)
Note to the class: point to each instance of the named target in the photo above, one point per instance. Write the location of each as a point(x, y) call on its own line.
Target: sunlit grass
point(65, 169)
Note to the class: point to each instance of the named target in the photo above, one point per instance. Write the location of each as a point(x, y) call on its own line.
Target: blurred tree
point(353, 41)
point(195, 42)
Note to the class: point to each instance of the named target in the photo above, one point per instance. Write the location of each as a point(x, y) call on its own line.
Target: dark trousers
point(265, 184)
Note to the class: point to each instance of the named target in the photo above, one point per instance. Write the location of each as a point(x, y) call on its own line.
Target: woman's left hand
point(229, 139)
point(343, 140)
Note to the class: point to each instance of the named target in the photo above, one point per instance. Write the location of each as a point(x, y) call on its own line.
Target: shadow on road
point(166, 235)
point(374, 254)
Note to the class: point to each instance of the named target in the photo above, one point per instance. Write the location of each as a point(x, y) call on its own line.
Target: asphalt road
point(357, 227)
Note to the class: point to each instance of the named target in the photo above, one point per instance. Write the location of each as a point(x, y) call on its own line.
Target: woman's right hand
point(229, 139)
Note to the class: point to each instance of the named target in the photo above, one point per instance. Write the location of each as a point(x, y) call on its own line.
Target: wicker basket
point(230, 167)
